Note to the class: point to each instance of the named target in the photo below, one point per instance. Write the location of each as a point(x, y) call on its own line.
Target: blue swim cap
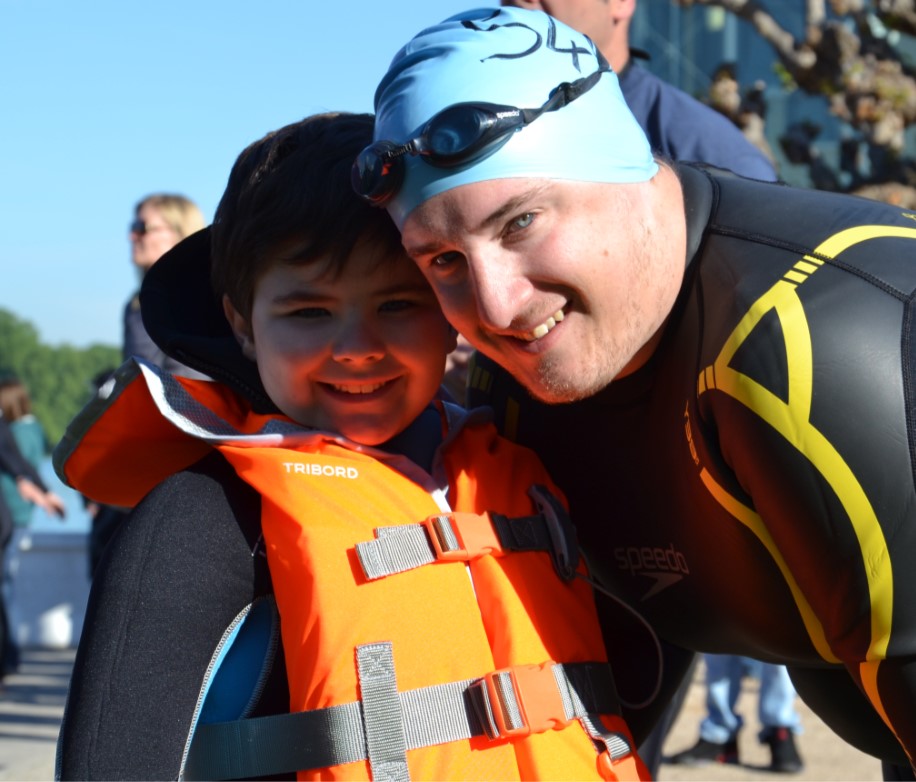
point(509, 56)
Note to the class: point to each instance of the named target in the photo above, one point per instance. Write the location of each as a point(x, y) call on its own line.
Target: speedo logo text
point(665, 566)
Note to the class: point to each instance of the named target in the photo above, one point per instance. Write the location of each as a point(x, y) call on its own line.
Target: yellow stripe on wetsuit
point(792, 420)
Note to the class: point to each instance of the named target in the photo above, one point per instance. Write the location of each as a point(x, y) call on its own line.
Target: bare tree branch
point(782, 41)
point(846, 58)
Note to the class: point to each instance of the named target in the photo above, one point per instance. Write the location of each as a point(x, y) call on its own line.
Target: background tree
point(59, 378)
point(846, 54)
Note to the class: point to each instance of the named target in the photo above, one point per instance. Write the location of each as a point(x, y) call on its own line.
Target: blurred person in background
point(161, 220)
point(719, 728)
point(23, 445)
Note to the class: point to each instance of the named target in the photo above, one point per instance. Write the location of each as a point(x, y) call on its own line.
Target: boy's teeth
point(539, 331)
point(361, 388)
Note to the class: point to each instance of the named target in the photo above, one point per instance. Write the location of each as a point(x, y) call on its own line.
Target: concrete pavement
point(31, 708)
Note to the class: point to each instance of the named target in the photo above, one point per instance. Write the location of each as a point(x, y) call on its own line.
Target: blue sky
point(105, 101)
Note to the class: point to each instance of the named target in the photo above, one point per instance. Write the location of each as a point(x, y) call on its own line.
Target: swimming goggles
point(458, 135)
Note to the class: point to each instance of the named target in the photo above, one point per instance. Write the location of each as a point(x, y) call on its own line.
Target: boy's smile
point(360, 353)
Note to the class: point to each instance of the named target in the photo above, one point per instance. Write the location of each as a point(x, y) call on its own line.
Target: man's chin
point(555, 388)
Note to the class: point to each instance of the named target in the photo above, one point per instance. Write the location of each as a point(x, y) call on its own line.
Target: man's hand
point(48, 501)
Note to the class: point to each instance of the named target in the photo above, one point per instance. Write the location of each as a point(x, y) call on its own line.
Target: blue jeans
point(9, 643)
point(776, 707)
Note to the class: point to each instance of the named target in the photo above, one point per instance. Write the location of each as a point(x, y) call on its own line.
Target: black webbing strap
point(277, 744)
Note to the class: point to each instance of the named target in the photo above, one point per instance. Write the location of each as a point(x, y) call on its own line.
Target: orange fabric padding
point(129, 446)
point(444, 625)
point(128, 450)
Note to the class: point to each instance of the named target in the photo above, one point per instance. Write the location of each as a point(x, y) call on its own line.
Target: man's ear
point(241, 327)
point(622, 9)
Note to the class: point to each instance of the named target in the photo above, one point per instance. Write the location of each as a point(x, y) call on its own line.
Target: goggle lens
point(378, 172)
point(456, 134)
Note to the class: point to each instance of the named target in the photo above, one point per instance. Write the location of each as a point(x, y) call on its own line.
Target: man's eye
point(521, 222)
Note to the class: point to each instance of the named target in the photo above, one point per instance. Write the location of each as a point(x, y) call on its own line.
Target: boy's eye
point(310, 312)
point(396, 305)
point(445, 260)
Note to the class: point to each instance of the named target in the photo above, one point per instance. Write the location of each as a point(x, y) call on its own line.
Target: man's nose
point(500, 287)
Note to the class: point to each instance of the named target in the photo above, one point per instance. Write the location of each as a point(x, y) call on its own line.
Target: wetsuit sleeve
point(179, 569)
point(832, 498)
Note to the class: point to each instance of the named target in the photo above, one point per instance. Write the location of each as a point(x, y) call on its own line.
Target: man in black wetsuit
point(746, 481)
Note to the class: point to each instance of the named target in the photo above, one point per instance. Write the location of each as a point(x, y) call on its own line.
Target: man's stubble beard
point(611, 352)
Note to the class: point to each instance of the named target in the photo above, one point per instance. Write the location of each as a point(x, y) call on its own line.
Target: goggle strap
point(572, 90)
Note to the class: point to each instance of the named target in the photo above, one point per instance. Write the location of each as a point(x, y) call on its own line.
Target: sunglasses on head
point(458, 135)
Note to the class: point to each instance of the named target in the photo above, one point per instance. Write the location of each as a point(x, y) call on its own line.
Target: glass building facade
point(686, 46)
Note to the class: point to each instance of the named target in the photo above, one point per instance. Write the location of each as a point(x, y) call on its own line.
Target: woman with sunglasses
point(161, 220)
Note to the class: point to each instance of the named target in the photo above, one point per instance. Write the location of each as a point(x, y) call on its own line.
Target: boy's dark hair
point(289, 198)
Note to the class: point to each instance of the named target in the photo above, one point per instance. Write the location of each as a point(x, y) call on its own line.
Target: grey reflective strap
point(428, 716)
point(580, 687)
point(616, 744)
point(466, 536)
point(409, 546)
point(395, 550)
point(385, 740)
point(437, 715)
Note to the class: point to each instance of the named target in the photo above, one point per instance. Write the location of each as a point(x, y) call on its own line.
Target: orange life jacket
point(430, 638)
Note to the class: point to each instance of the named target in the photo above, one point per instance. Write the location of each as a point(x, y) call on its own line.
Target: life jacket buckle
point(518, 701)
point(462, 536)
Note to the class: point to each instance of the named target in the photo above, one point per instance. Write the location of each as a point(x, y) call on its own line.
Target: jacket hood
point(185, 319)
